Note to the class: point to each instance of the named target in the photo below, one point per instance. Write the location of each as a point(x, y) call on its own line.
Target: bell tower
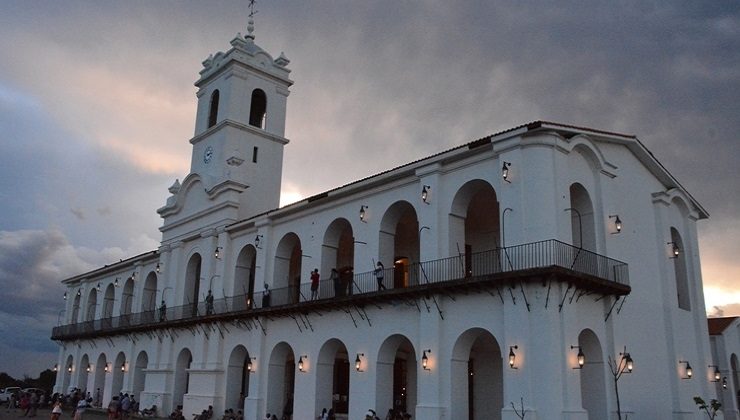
point(237, 156)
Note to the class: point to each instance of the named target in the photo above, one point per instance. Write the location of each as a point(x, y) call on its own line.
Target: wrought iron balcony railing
point(487, 266)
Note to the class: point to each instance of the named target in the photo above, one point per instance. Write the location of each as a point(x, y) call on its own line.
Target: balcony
point(543, 263)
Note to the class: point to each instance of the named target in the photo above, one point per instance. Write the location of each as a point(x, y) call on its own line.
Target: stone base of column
point(254, 408)
point(428, 412)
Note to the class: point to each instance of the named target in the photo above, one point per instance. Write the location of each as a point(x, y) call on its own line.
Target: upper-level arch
point(583, 229)
point(399, 242)
point(192, 283)
point(127, 297)
point(474, 221)
point(287, 272)
point(337, 251)
point(108, 300)
point(149, 293)
point(244, 275)
point(92, 303)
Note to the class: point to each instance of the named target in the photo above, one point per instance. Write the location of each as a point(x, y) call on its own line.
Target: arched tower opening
point(258, 109)
point(213, 109)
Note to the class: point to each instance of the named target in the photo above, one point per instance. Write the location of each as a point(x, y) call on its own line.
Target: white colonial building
point(506, 260)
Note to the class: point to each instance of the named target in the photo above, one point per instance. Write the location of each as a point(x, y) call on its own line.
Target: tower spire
point(250, 23)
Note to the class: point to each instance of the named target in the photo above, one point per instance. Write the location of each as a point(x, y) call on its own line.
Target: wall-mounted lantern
point(724, 382)
point(505, 171)
point(512, 356)
point(250, 364)
point(358, 362)
point(89, 368)
point(425, 359)
point(689, 371)
point(716, 374)
point(364, 214)
point(158, 268)
point(425, 192)
point(301, 364)
point(56, 368)
point(65, 296)
point(217, 253)
point(675, 250)
point(97, 287)
point(257, 241)
point(69, 368)
point(115, 282)
point(581, 357)
point(133, 276)
point(617, 223)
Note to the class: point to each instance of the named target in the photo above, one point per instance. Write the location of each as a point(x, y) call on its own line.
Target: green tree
point(711, 408)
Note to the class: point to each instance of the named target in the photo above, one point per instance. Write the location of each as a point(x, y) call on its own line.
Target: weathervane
point(250, 25)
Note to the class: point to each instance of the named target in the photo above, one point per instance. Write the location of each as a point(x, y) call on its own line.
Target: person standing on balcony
point(334, 277)
point(162, 314)
point(209, 303)
point(315, 284)
point(266, 297)
point(380, 275)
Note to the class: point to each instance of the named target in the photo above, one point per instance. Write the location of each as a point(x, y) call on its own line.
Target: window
point(213, 112)
point(679, 267)
point(258, 109)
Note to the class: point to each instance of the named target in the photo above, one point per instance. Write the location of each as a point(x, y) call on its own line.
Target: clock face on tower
point(208, 154)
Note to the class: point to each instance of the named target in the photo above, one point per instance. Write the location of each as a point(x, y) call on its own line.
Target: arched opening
point(118, 370)
point(213, 109)
point(683, 290)
point(593, 382)
point(281, 380)
point(83, 373)
point(182, 377)
point(237, 379)
point(244, 274)
point(474, 227)
point(99, 372)
point(192, 284)
point(287, 273)
point(337, 252)
point(65, 369)
point(332, 378)
point(149, 296)
point(92, 303)
point(477, 376)
point(258, 109)
point(110, 297)
point(583, 230)
point(396, 372)
point(127, 297)
point(139, 379)
point(76, 309)
point(399, 243)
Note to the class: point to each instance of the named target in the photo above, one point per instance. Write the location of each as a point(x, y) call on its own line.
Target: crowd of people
point(27, 402)
point(76, 402)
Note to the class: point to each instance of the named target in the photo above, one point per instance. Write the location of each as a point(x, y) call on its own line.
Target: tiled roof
point(718, 325)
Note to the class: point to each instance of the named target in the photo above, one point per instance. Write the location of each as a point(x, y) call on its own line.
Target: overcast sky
point(97, 105)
